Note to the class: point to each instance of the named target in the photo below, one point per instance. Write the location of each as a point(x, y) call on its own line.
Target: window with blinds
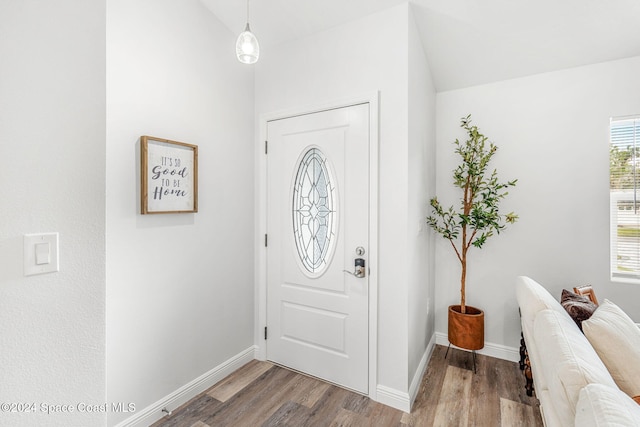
point(624, 185)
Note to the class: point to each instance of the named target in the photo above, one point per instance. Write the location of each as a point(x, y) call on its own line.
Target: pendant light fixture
point(247, 47)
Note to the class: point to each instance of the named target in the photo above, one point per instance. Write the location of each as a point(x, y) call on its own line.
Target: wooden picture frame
point(169, 176)
point(586, 291)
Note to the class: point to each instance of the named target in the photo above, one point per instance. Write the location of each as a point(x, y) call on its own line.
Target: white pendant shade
point(247, 47)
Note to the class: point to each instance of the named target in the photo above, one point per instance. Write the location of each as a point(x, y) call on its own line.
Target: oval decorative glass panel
point(314, 211)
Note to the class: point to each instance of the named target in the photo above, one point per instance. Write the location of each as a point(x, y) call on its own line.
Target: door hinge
point(265, 332)
point(265, 240)
point(266, 147)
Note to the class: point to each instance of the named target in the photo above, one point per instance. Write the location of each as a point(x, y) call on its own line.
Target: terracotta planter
point(466, 330)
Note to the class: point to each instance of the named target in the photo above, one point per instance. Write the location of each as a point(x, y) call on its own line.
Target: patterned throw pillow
point(579, 307)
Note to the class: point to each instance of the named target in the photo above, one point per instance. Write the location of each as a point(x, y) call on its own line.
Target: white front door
point(318, 229)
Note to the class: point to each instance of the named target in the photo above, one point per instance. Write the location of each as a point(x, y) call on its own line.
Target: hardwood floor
point(263, 394)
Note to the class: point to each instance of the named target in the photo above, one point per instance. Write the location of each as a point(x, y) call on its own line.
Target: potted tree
point(476, 219)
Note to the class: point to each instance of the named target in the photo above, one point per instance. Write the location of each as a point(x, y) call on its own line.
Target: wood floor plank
point(239, 380)
point(460, 358)
point(511, 386)
point(484, 400)
point(516, 414)
point(190, 413)
point(346, 418)
point(384, 416)
point(273, 401)
point(407, 420)
point(289, 414)
point(423, 411)
point(250, 398)
point(327, 407)
point(451, 409)
point(358, 404)
point(310, 392)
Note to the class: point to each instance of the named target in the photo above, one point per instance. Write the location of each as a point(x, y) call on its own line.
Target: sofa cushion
point(580, 308)
point(532, 298)
point(616, 339)
point(569, 362)
point(603, 406)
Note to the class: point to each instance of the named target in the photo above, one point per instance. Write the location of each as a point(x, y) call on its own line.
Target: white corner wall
point(552, 132)
point(421, 185)
point(180, 289)
point(52, 145)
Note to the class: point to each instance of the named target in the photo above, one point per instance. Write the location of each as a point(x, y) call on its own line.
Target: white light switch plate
point(40, 253)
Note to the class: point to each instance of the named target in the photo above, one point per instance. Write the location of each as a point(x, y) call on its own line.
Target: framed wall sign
point(169, 176)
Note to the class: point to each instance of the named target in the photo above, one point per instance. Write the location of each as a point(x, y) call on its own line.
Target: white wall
point(367, 55)
point(552, 132)
point(52, 145)
point(421, 183)
point(180, 286)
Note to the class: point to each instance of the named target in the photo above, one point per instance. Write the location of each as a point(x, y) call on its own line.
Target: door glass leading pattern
point(314, 211)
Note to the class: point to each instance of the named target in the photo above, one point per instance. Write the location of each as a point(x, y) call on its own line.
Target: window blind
point(624, 185)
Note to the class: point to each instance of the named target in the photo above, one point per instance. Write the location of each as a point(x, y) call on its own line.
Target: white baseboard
point(394, 398)
point(401, 400)
point(422, 367)
point(153, 412)
point(490, 349)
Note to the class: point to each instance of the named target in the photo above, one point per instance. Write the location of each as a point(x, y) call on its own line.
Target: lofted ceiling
point(467, 42)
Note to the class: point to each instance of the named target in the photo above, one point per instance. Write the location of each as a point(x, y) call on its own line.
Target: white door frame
point(261, 223)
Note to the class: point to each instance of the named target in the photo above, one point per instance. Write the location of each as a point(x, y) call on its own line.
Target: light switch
point(43, 253)
point(40, 253)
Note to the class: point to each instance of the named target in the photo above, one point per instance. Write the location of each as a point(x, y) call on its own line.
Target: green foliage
point(478, 216)
point(628, 232)
point(622, 174)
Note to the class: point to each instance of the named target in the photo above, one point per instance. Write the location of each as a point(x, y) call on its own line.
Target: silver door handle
point(359, 271)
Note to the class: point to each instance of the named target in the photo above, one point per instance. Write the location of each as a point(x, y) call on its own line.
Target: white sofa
point(570, 381)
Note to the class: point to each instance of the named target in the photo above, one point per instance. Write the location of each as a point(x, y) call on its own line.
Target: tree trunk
point(467, 202)
point(463, 279)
